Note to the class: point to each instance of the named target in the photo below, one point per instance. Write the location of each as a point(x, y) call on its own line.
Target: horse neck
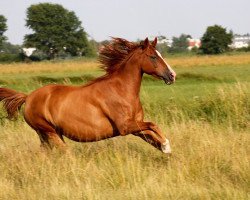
point(131, 75)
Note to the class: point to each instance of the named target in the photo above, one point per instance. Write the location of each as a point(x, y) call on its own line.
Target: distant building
point(162, 40)
point(240, 41)
point(167, 41)
point(193, 43)
point(28, 51)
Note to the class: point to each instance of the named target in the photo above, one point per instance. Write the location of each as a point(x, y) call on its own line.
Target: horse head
point(152, 62)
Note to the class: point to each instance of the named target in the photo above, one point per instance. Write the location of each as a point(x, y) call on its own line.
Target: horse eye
point(153, 57)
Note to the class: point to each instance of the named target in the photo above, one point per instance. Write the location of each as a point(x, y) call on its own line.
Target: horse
point(106, 107)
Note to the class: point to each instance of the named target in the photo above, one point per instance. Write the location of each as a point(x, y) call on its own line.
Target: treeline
point(215, 40)
point(58, 33)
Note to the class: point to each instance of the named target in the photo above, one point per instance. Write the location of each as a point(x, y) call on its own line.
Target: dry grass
point(233, 60)
point(69, 66)
point(47, 67)
point(207, 163)
point(210, 160)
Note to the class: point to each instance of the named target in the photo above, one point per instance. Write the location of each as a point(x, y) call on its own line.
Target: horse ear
point(145, 43)
point(154, 43)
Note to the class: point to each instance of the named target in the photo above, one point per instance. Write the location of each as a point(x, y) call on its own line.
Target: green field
point(205, 114)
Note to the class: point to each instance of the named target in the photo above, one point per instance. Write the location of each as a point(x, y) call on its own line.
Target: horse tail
point(12, 101)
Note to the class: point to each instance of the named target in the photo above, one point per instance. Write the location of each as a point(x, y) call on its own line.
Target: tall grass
point(229, 106)
point(209, 134)
point(208, 162)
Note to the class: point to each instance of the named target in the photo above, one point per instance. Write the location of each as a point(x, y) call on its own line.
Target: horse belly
point(89, 126)
point(86, 132)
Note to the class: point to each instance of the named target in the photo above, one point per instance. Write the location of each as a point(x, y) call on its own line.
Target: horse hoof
point(165, 147)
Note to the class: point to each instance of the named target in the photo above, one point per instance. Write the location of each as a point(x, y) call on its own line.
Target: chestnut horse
point(106, 107)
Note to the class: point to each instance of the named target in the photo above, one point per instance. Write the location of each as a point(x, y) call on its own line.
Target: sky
point(138, 19)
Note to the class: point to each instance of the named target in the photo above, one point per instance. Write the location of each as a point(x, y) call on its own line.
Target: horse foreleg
point(150, 129)
point(165, 146)
point(147, 136)
point(149, 139)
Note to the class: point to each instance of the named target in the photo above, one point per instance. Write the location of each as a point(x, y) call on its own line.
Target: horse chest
point(126, 108)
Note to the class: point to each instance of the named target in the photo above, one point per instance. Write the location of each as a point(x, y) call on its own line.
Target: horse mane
point(111, 56)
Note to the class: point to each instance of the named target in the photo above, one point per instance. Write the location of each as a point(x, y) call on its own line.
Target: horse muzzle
point(169, 77)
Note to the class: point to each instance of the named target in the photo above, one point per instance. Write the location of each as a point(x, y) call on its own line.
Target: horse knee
point(123, 130)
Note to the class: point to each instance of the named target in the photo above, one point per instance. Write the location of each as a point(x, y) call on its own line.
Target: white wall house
point(28, 51)
point(240, 41)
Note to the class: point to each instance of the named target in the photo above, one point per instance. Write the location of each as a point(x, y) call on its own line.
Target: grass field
point(206, 116)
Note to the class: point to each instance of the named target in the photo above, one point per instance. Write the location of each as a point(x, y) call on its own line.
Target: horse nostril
point(172, 76)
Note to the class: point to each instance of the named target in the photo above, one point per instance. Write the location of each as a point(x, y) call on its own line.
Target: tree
point(180, 44)
point(56, 30)
point(3, 28)
point(163, 48)
point(7, 47)
point(216, 40)
point(163, 45)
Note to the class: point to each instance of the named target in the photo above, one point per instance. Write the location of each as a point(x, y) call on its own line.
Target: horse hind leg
point(51, 139)
point(49, 136)
point(44, 140)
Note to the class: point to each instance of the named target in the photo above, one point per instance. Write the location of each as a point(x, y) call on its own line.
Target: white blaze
point(158, 53)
